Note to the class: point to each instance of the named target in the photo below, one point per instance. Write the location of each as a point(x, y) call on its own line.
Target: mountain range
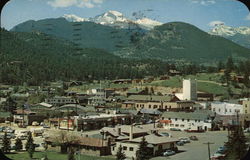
point(182, 41)
point(142, 38)
point(117, 20)
point(239, 35)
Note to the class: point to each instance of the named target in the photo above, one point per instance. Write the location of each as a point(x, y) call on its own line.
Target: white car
point(184, 139)
point(168, 153)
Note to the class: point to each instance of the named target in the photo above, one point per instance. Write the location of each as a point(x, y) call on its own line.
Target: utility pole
point(208, 147)
point(68, 119)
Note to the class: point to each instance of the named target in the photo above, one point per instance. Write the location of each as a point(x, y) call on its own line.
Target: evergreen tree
point(146, 90)
point(120, 155)
point(10, 105)
point(30, 146)
point(236, 145)
point(71, 155)
point(152, 91)
point(18, 144)
point(220, 66)
point(142, 153)
point(6, 143)
point(227, 76)
point(31, 151)
point(230, 64)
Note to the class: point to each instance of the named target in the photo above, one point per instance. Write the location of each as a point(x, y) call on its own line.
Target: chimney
point(131, 133)
point(119, 131)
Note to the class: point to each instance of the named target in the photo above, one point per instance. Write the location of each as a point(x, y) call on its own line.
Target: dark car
point(180, 143)
point(193, 138)
point(175, 129)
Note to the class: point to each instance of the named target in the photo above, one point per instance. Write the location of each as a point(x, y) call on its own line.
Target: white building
point(156, 145)
point(186, 121)
point(60, 100)
point(189, 92)
point(189, 89)
point(226, 109)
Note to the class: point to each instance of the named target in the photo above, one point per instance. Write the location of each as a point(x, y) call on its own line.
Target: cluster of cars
point(181, 142)
point(220, 153)
point(10, 132)
point(184, 140)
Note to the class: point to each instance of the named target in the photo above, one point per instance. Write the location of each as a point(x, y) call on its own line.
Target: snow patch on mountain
point(74, 18)
point(223, 30)
point(116, 19)
point(149, 23)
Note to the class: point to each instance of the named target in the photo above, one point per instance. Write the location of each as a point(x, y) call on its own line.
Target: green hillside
point(241, 39)
point(183, 41)
point(37, 58)
point(87, 34)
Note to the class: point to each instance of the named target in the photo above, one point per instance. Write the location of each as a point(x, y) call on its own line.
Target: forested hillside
point(36, 58)
point(182, 41)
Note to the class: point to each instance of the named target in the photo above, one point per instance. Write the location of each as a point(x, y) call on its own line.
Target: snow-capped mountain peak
point(223, 30)
point(109, 17)
point(74, 18)
point(148, 23)
point(116, 19)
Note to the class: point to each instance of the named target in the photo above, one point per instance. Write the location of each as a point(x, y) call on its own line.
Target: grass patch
point(4, 114)
point(172, 82)
point(211, 88)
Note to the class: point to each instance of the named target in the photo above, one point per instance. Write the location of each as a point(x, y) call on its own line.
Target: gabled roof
point(184, 115)
point(125, 129)
point(89, 141)
point(154, 139)
point(45, 104)
point(135, 90)
point(150, 111)
point(150, 98)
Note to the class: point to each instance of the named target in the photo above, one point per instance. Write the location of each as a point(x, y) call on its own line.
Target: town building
point(194, 121)
point(162, 103)
point(26, 117)
point(246, 106)
point(60, 100)
point(189, 89)
point(156, 145)
point(93, 122)
point(226, 109)
point(189, 92)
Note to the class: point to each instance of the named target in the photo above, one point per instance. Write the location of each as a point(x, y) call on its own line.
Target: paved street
point(196, 150)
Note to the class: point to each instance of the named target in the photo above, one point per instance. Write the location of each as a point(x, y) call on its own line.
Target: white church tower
point(189, 89)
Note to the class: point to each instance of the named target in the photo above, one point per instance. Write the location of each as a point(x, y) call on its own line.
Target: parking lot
point(39, 140)
point(197, 150)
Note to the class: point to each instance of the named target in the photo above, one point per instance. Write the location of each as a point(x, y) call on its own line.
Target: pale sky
point(201, 13)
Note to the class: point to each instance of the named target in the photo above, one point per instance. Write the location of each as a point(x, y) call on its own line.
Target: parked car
point(180, 143)
point(11, 135)
point(10, 130)
point(168, 153)
point(165, 134)
point(218, 156)
point(35, 123)
point(247, 130)
point(23, 137)
point(193, 138)
point(46, 126)
point(175, 129)
point(222, 150)
point(2, 129)
point(184, 139)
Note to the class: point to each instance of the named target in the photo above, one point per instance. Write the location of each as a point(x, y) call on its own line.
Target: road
point(197, 150)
